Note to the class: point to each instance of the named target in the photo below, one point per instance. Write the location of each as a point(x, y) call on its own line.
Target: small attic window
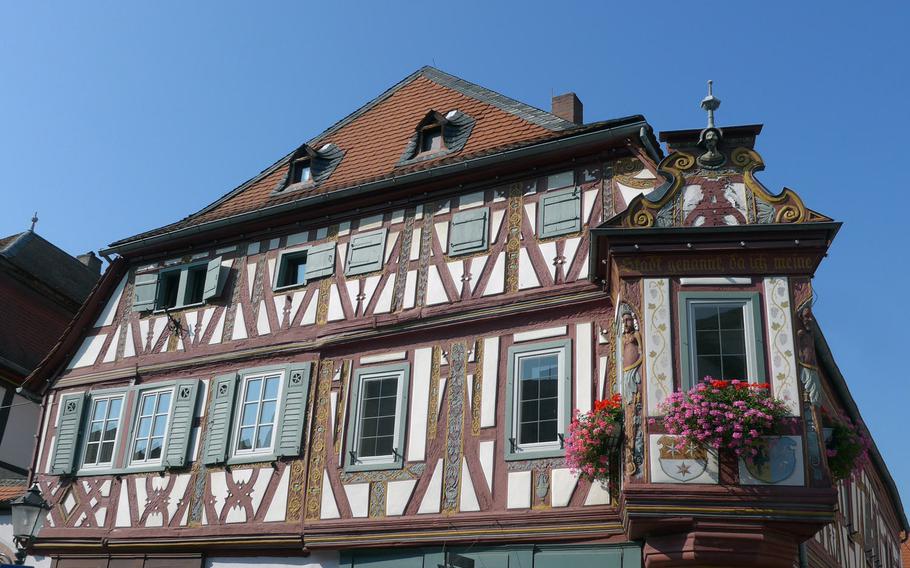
point(302, 171)
point(431, 139)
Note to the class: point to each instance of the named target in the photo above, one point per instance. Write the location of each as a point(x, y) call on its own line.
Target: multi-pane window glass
point(720, 340)
point(378, 405)
point(538, 398)
point(151, 425)
point(102, 430)
point(257, 413)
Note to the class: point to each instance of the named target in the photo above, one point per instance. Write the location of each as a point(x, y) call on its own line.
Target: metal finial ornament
point(711, 136)
point(710, 103)
point(34, 221)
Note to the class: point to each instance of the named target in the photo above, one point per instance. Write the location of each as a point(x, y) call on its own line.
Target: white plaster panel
point(490, 381)
point(531, 210)
point(598, 494)
point(336, 312)
point(358, 497)
point(442, 233)
point(467, 500)
point(785, 465)
point(535, 334)
point(410, 289)
point(369, 288)
point(470, 200)
point(430, 502)
point(219, 490)
point(262, 319)
point(588, 198)
point(486, 455)
point(111, 352)
point(496, 282)
point(353, 287)
point(277, 510)
point(329, 507)
point(584, 371)
point(269, 277)
point(279, 301)
point(398, 493)
point(344, 227)
point(250, 277)
point(456, 270)
point(478, 263)
point(527, 277)
point(206, 319)
point(239, 331)
point(569, 252)
point(123, 506)
point(296, 300)
point(519, 496)
point(397, 216)
point(658, 342)
point(417, 432)
point(100, 516)
point(371, 222)
point(129, 348)
point(298, 238)
point(780, 342)
point(259, 486)
point(563, 484)
point(583, 271)
point(106, 317)
point(393, 238)
point(436, 292)
point(88, 351)
point(496, 224)
point(219, 329)
point(677, 468)
point(415, 244)
point(548, 250)
point(174, 499)
point(309, 314)
point(384, 303)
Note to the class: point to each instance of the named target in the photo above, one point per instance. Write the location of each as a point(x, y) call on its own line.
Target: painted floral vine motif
point(725, 414)
point(846, 445)
point(594, 437)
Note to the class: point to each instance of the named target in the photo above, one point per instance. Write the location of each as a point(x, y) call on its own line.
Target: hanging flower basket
point(846, 445)
point(594, 437)
point(724, 414)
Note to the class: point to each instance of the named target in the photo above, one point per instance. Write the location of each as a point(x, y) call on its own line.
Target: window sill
point(382, 466)
point(177, 308)
point(535, 454)
point(289, 287)
point(251, 458)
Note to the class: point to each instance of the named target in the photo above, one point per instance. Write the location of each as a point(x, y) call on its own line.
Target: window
point(301, 172)
point(379, 403)
point(538, 393)
point(469, 232)
point(431, 139)
point(366, 252)
point(179, 287)
point(292, 270)
point(151, 427)
point(258, 412)
point(298, 266)
point(264, 421)
point(721, 336)
point(101, 433)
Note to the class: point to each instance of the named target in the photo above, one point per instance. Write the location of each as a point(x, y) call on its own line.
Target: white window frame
point(363, 379)
point(514, 449)
point(748, 332)
point(239, 402)
point(135, 431)
point(86, 425)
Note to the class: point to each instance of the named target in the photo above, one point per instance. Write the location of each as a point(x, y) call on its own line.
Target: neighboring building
point(41, 289)
point(369, 354)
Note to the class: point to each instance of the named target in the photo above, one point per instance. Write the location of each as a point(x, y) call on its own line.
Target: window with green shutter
point(68, 434)
point(218, 419)
point(145, 287)
point(298, 266)
point(469, 231)
point(376, 431)
point(181, 423)
point(365, 252)
point(560, 213)
point(179, 287)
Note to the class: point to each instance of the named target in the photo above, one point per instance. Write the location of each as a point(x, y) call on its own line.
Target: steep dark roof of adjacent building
point(34, 257)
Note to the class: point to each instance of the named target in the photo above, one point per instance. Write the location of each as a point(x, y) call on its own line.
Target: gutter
point(639, 129)
point(825, 356)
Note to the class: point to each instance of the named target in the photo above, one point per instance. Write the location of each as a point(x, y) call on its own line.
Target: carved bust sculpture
point(631, 357)
point(712, 157)
point(808, 362)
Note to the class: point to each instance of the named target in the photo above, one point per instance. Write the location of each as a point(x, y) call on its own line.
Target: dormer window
point(438, 135)
point(309, 167)
point(431, 139)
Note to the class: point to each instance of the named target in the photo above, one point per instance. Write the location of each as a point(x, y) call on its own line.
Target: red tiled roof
point(10, 492)
point(374, 137)
point(905, 555)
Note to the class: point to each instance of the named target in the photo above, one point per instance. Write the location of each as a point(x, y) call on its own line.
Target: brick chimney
point(91, 261)
point(568, 107)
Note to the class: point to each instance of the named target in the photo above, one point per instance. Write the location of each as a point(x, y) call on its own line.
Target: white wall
point(8, 547)
point(19, 436)
point(320, 559)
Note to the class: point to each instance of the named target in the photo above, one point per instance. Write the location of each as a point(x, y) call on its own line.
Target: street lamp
point(29, 512)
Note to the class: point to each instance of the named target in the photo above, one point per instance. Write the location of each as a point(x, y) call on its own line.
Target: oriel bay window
point(257, 414)
point(378, 409)
point(538, 395)
point(721, 336)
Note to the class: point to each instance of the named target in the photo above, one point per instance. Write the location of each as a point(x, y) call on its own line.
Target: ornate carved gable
point(711, 183)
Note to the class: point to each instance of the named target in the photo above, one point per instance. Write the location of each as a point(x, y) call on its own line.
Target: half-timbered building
point(369, 354)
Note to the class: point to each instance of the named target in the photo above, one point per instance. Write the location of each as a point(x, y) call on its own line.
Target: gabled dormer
point(437, 135)
point(307, 168)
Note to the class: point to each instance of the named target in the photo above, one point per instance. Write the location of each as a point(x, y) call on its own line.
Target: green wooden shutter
point(469, 231)
point(293, 415)
point(320, 261)
point(214, 283)
point(218, 422)
point(560, 213)
point(144, 292)
point(67, 444)
point(365, 252)
point(178, 437)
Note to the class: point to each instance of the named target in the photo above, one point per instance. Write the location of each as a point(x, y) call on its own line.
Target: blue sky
point(117, 117)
